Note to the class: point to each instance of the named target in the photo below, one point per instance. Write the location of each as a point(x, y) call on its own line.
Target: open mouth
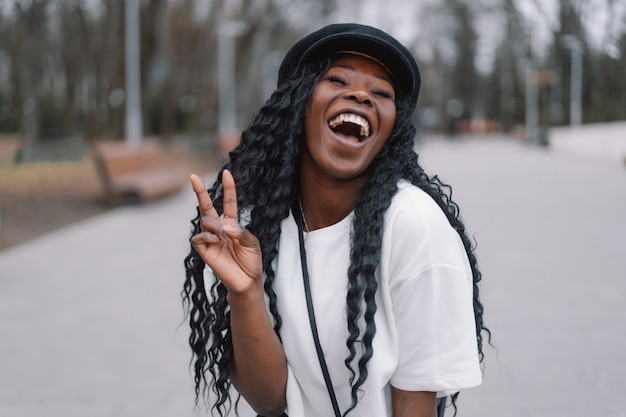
point(350, 124)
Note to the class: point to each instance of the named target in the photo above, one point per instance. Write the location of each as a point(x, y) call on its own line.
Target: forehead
point(356, 61)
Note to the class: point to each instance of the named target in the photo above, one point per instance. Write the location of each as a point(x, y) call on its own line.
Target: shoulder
point(418, 234)
point(411, 207)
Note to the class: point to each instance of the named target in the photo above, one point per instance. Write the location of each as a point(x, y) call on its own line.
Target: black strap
point(309, 304)
point(441, 409)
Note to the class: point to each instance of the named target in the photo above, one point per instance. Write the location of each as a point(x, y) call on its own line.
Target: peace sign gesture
point(232, 252)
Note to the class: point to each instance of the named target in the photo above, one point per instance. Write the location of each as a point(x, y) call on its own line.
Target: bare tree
point(74, 42)
point(451, 75)
point(27, 50)
point(508, 76)
point(63, 60)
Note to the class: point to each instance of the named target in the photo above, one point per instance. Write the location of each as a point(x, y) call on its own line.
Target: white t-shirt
point(425, 333)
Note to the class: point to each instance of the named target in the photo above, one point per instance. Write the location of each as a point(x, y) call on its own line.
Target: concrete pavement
point(550, 228)
point(89, 318)
point(90, 314)
point(604, 142)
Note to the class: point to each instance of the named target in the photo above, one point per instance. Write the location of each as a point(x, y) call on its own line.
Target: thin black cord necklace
point(299, 218)
point(306, 226)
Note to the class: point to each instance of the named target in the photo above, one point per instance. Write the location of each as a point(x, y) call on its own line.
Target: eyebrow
point(386, 77)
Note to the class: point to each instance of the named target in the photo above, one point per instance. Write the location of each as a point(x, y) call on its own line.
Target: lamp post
point(532, 104)
point(133, 128)
point(227, 91)
point(576, 82)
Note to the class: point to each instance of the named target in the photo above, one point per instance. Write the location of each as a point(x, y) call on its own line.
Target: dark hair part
point(265, 167)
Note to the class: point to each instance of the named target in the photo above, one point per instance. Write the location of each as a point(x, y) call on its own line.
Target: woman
point(393, 277)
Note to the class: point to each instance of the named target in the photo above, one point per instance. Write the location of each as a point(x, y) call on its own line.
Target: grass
point(37, 198)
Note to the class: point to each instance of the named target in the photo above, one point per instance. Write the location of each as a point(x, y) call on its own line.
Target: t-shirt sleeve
point(437, 348)
point(431, 291)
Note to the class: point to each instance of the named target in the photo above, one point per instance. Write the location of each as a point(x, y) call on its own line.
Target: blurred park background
point(189, 74)
point(90, 317)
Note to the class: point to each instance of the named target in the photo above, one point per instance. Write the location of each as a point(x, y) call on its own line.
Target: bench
point(136, 174)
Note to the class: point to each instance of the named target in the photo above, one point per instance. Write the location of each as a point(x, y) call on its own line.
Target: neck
point(325, 204)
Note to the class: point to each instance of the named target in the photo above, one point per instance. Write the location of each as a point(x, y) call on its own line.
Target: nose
point(359, 95)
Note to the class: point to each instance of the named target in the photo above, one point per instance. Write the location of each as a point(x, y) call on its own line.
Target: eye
point(337, 80)
point(383, 93)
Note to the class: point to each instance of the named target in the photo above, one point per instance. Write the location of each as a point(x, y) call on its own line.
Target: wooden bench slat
point(136, 174)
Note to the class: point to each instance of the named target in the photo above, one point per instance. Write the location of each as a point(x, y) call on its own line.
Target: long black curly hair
point(265, 168)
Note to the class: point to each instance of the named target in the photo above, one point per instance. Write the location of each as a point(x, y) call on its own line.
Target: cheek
point(311, 124)
point(389, 118)
point(313, 121)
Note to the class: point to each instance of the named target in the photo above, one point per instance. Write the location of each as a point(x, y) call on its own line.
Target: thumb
point(204, 238)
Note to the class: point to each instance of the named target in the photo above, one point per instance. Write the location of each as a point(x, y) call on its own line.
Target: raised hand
point(232, 252)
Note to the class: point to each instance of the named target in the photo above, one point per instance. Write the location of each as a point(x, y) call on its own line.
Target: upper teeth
point(351, 118)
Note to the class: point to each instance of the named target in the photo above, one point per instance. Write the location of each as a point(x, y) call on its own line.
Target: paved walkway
point(597, 141)
point(89, 318)
point(550, 229)
point(90, 314)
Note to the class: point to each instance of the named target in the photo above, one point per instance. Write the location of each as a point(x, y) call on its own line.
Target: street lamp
point(134, 119)
point(227, 91)
point(532, 104)
point(576, 82)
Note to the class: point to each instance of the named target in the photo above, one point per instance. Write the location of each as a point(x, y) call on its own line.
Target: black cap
point(356, 38)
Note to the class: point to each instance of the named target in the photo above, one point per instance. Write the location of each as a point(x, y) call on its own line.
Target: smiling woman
point(351, 117)
point(322, 237)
